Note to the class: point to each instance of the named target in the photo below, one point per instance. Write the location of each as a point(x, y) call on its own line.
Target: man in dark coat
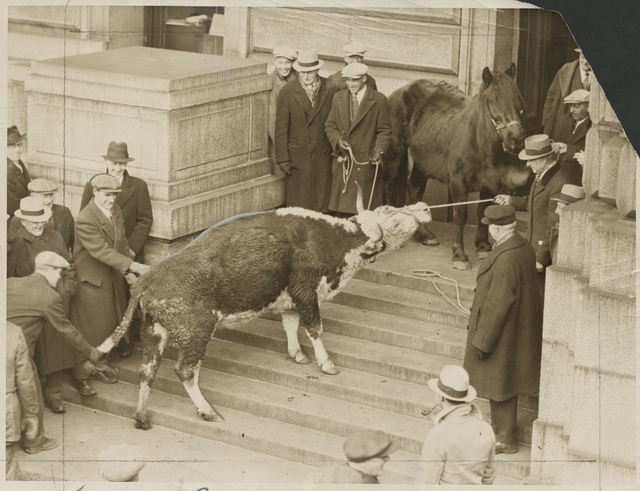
point(32, 302)
point(576, 139)
point(556, 119)
point(353, 53)
point(17, 174)
point(52, 356)
point(102, 257)
point(303, 152)
point(283, 57)
point(504, 341)
point(358, 126)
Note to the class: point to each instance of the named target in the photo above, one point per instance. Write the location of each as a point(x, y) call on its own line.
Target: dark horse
point(455, 139)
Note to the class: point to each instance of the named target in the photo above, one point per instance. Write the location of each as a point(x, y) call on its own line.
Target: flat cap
point(570, 193)
point(351, 49)
point(354, 70)
point(284, 52)
point(368, 444)
point(577, 96)
point(106, 182)
point(120, 463)
point(499, 215)
point(43, 186)
point(33, 210)
point(51, 259)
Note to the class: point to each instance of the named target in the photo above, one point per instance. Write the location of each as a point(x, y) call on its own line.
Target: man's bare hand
point(502, 199)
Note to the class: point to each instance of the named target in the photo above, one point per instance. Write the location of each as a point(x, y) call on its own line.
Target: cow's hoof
point(213, 417)
point(329, 368)
point(431, 242)
point(143, 424)
point(301, 359)
point(461, 265)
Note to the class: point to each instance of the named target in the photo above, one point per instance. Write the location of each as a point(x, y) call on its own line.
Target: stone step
point(402, 302)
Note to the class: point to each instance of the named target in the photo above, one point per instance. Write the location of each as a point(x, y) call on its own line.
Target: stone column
point(585, 432)
point(196, 125)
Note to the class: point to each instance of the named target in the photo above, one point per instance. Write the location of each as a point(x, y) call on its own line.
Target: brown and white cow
point(288, 260)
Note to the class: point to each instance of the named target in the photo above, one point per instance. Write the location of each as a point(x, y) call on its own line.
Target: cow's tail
point(117, 335)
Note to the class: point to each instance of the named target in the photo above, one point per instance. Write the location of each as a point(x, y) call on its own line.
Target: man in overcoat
point(504, 341)
point(359, 124)
point(556, 119)
point(283, 57)
point(303, 152)
point(102, 257)
point(576, 139)
point(17, 174)
point(353, 53)
point(52, 356)
point(32, 302)
point(61, 218)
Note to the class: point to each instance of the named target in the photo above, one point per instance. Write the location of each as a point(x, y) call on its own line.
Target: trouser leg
point(13, 471)
point(53, 386)
point(503, 419)
point(541, 281)
point(78, 372)
point(38, 441)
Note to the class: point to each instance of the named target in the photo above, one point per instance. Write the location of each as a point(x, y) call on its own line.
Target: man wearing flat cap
point(359, 129)
point(570, 194)
point(504, 338)
point(575, 140)
point(102, 257)
point(353, 53)
point(32, 302)
point(17, 174)
point(366, 451)
point(283, 57)
point(302, 150)
point(460, 448)
point(61, 218)
point(52, 356)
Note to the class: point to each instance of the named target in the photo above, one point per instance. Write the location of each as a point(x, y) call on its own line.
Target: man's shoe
point(85, 388)
point(55, 405)
point(506, 448)
point(49, 444)
point(125, 350)
point(101, 377)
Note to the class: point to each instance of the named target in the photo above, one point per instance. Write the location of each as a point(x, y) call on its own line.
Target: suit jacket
point(301, 140)
point(506, 323)
point(541, 215)
point(369, 131)
point(135, 203)
point(339, 83)
point(101, 256)
point(16, 185)
point(556, 118)
point(576, 141)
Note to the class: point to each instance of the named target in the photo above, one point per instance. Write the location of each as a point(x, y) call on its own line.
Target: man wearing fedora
point(367, 451)
point(283, 57)
point(460, 448)
point(303, 152)
point(102, 257)
point(576, 139)
point(358, 125)
point(17, 174)
point(32, 237)
point(504, 338)
point(31, 304)
point(135, 203)
point(569, 194)
point(353, 53)
point(556, 118)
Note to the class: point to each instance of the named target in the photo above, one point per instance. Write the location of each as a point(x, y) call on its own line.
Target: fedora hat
point(307, 61)
point(118, 152)
point(14, 136)
point(453, 384)
point(538, 146)
point(570, 193)
point(368, 444)
point(106, 182)
point(51, 259)
point(33, 210)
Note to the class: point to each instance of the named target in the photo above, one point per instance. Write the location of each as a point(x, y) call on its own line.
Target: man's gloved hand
point(131, 278)
point(285, 167)
point(30, 426)
point(478, 354)
point(344, 144)
point(377, 157)
point(139, 268)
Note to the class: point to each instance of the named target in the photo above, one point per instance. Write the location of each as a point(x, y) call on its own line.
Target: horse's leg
point(459, 193)
point(291, 322)
point(483, 246)
point(417, 185)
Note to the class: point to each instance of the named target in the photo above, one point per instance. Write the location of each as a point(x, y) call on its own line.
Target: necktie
point(354, 107)
point(586, 84)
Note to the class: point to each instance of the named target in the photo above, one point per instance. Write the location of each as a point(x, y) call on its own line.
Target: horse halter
point(500, 127)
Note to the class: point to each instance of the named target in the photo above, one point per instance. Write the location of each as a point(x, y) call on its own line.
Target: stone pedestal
point(196, 125)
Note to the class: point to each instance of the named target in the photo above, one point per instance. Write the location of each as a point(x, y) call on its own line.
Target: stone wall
point(585, 432)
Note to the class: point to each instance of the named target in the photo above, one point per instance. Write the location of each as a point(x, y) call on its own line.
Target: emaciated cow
point(288, 260)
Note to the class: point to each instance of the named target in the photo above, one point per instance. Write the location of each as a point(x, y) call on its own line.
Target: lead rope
point(430, 275)
point(347, 169)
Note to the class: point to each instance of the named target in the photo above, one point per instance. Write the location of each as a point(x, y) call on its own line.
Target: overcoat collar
point(28, 236)
point(511, 243)
point(127, 190)
point(15, 172)
point(345, 100)
point(539, 186)
point(105, 223)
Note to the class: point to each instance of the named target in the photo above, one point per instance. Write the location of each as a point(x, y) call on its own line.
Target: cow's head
point(388, 227)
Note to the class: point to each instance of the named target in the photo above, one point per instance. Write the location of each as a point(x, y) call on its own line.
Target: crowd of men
point(67, 286)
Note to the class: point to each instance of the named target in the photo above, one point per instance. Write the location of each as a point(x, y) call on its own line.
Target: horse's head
point(503, 105)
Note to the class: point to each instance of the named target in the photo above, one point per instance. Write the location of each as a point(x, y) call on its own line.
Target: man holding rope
point(359, 130)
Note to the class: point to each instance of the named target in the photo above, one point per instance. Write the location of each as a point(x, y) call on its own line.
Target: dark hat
point(106, 182)
point(14, 136)
point(51, 259)
point(538, 146)
point(368, 444)
point(499, 215)
point(570, 193)
point(307, 61)
point(43, 186)
point(120, 463)
point(118, 152)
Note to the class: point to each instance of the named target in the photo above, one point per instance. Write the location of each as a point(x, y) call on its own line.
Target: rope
point(347, 168)
point(430, 275)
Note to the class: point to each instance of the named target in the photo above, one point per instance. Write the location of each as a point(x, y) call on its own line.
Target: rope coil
point(430, 275)
point(348, 162)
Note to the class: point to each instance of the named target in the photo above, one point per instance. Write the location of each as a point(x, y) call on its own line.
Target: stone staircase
point(388, 333)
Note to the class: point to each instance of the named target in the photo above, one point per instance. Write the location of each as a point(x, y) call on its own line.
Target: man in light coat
point(460, 448)
point(359, 129)
point(504, 340)
point(283, 73)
